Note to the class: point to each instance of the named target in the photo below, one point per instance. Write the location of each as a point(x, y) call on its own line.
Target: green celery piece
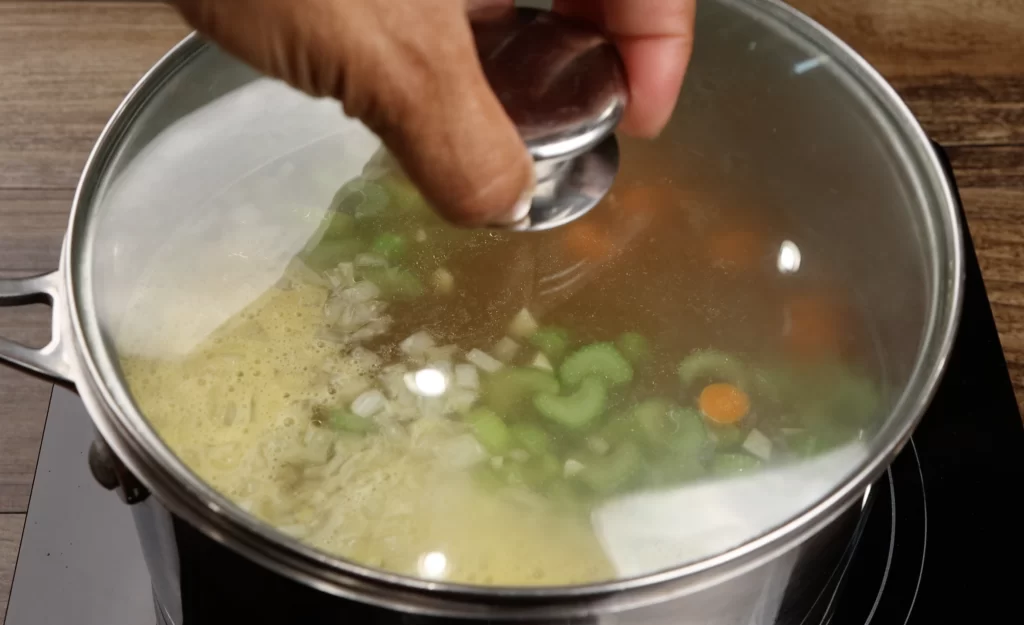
point(652, 417)
point(689, 437)
point(733, 463)
point(599, 360)
point(532, 437)
point(490, 430)
point(339, 225)
point(726, 436)
point(634, 347)
point(329, 253)
point(389, 245)
point(552, 342)
point(712, 364)
point(394, 282)
point(360, 198)
point(509, 390)
point(346, 421)
point(615, 471)
point(404, 194)
point(578, 410)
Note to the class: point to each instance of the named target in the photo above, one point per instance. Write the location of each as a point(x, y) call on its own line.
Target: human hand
point(408, 69)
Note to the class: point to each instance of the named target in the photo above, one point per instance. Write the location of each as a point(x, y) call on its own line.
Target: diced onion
point(572, 467)
point(541, 361)
point(506, 349)
point(370, 260)
point(463, 452)
point(483, 360)
point(523, 324)
point(369, 403)
point(598, 445)
point(443, 281)
point(417, 344)
point(421, 235)
point(497, 462)
point(758, 445)
point(360, 292)
point(365, 359)
point(519, 455)
point(466, 376)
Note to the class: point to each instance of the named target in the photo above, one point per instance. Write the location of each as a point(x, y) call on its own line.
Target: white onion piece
point(572, 467)
point(365, 359)
point(344, 275)
point(417, 344)
point(443, 281)
point(506, 349)
point(369, 403)
point(467, 376)
point(523, 324)
point(370, 260)
point(541, 361)
point(459, 400)
point(360, 292)
point(483, 360)
point(462, 452)
point(442, 352)
point(758, 445)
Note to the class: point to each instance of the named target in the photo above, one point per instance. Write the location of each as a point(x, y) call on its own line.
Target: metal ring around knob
point(563, 84)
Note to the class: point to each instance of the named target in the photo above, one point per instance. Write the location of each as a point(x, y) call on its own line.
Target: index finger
point(655, 39)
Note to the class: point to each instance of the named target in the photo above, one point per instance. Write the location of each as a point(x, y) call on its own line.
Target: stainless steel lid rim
point(174, 485)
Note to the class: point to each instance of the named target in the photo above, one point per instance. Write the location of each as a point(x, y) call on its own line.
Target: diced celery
point(490, 430)
point(533, 438)
point(394, 282)
point(338, 225)
point(615, 471)
point(360, 198)
point(552, 342)
point(689, 436)
point(712, 365)
point(725, 436)
point(652, 417)
point(600, 360)
point(330, 253)
point(731, 464)
point(635, 347)
point(510, 389)
point(389, 245)
point(344, 420)
point(578, 410)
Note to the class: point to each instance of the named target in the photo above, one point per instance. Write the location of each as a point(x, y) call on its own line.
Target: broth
point(453, 404)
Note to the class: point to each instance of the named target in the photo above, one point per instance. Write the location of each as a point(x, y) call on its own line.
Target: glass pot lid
point(750, 316)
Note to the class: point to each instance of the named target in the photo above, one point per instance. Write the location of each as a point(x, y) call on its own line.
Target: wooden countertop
point(64, 66)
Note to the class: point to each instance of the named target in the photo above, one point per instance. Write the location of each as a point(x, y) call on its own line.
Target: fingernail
point(519, 217)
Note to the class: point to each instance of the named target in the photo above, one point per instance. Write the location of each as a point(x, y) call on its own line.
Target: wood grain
point(957, 63)
point(10, 538)
point(32, 224)
point(64, 67)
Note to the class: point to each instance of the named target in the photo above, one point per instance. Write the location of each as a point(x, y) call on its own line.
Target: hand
point(408, 69)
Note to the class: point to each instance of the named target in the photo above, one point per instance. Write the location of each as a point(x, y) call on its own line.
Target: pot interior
point(749, 322)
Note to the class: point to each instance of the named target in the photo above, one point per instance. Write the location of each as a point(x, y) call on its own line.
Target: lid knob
point(563, 84)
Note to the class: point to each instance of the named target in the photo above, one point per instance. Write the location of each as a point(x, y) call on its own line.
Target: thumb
point(409, 70)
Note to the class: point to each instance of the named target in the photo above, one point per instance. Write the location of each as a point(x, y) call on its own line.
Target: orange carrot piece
point(723, 403)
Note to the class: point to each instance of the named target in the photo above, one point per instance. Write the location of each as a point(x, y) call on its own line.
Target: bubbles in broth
point(454, 404)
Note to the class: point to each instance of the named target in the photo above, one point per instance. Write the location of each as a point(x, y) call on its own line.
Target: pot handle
point(52, 361)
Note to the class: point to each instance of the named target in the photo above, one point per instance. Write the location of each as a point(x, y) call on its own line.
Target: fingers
point(655, 39)
point(409, 71)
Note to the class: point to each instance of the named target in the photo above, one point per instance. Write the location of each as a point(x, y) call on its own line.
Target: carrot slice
point(723, 403)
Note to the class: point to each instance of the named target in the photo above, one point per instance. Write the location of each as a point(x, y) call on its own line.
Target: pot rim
point(139, 447)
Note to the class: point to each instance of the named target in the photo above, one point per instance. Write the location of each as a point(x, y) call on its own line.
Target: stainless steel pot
point(771, 99)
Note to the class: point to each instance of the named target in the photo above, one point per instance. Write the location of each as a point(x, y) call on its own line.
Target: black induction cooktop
point(942, 540)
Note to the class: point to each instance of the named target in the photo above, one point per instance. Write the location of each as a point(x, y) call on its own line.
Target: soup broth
point(453, 404)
